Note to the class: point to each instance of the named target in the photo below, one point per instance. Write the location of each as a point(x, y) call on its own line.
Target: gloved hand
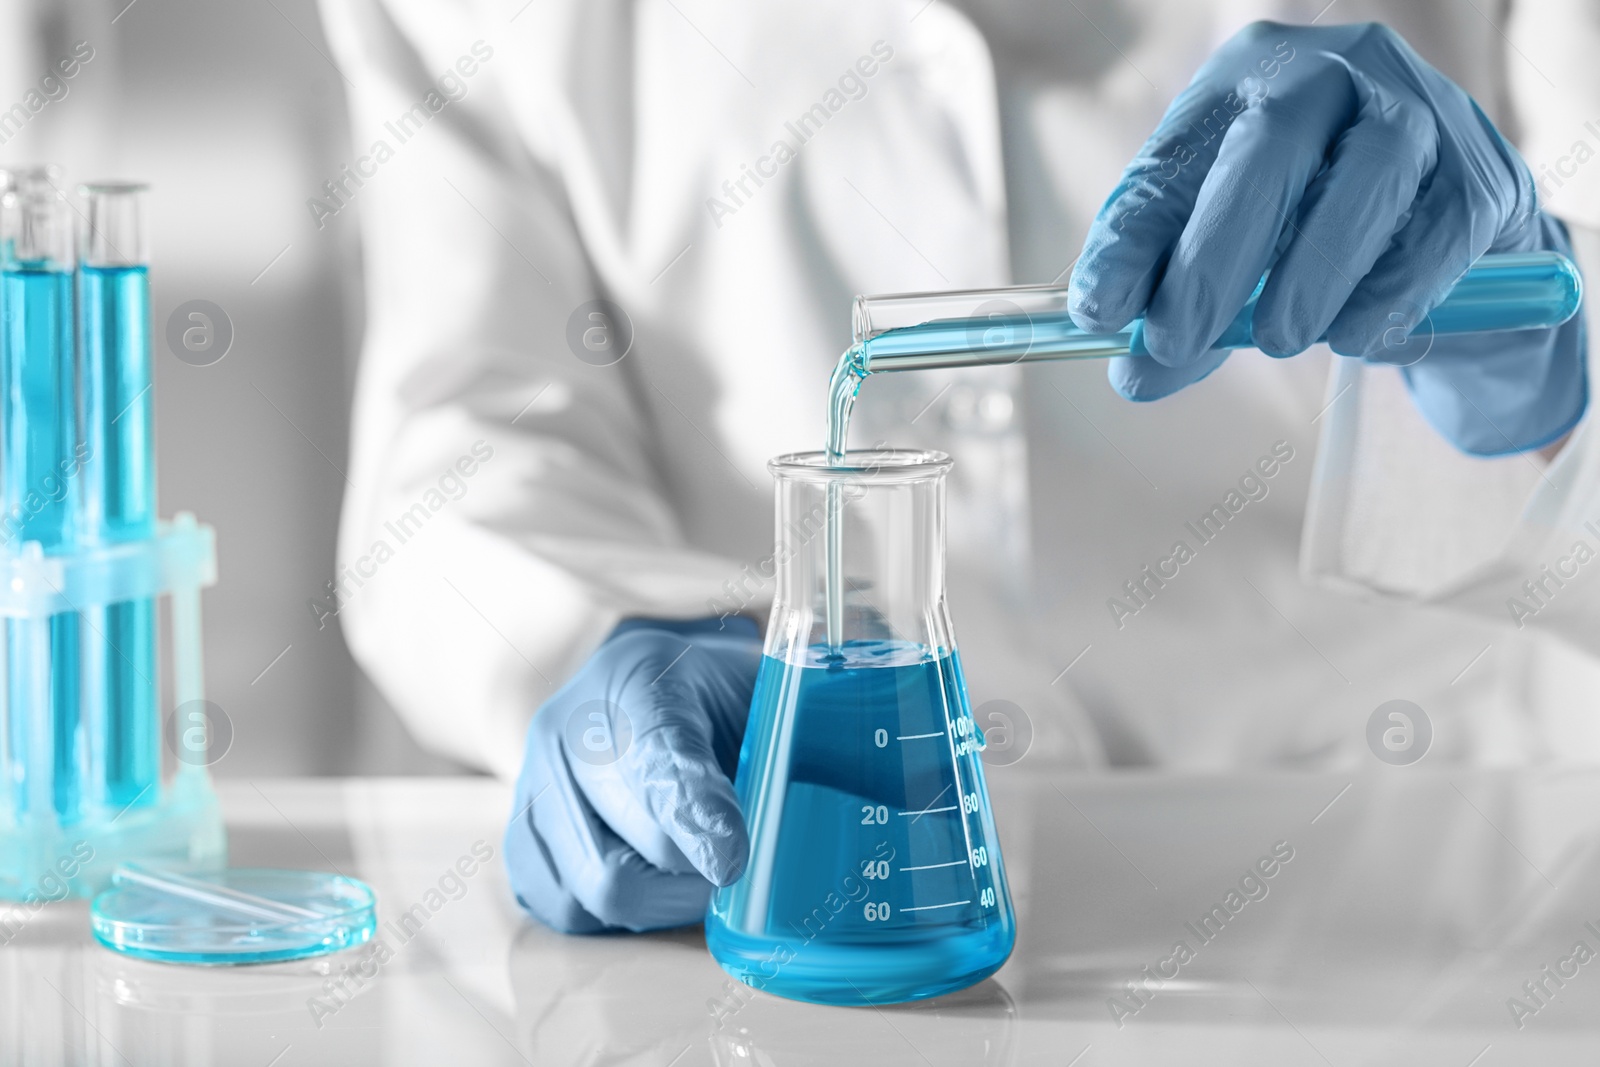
point(1369, 182)
point(625, 812)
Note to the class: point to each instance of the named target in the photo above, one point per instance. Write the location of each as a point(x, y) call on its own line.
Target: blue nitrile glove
point(1395, 183)
point(625, 813)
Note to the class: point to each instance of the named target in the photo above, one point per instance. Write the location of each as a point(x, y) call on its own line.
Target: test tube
point(118, 477)
point(988, 327)
point(8, 183)
point(38, 490)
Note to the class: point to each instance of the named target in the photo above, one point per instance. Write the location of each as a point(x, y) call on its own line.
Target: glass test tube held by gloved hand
point(1029, 323)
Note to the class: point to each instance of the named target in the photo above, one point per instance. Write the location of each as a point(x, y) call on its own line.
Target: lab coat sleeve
point(502, 511)
point(1394, 511)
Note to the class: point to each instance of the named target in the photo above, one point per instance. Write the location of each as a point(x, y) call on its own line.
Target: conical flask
point(874, 873)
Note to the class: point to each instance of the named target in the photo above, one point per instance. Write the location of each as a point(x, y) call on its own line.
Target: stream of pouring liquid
point(842, 389)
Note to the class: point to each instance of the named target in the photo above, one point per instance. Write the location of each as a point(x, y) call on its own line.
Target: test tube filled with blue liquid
point(118, 476)
point(875, 873)
point(39, 433)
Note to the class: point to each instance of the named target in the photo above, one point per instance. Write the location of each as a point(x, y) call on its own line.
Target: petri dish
point(232, 916)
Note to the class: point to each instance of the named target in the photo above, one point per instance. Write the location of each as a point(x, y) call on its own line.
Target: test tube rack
point(46, 852)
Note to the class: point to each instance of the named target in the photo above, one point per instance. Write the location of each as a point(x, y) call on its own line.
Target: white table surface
point(1414, 907)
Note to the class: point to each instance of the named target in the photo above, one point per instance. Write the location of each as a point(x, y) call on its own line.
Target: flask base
point(853, 973)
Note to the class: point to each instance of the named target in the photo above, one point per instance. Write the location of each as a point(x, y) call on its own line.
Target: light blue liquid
point(114, 308)
point(39, 424)
point(875, 873)
point(1514, 291)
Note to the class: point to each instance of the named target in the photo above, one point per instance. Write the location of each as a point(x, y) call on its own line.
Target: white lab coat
point(598, 152)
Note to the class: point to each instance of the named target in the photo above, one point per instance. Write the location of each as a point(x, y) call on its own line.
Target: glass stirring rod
point(1022, 324)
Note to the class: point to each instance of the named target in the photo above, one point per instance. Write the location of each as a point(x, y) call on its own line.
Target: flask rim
point(872, 466)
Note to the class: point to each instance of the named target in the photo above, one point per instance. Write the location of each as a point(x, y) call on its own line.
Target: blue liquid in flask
point(875, 873)
point(115, 312)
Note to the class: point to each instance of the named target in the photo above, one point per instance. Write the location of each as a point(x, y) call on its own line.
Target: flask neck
point(859, 558)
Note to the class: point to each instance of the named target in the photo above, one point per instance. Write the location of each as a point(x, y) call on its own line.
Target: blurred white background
point(236, 115)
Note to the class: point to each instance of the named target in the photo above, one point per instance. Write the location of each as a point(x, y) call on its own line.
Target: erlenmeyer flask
point(874, 872)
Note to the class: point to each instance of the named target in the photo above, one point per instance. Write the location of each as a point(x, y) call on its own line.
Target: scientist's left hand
point(625, 813)
point(1368, 182)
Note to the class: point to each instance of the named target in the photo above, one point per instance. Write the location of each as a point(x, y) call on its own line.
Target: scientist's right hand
point(625, 814)
point(1369, 183)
